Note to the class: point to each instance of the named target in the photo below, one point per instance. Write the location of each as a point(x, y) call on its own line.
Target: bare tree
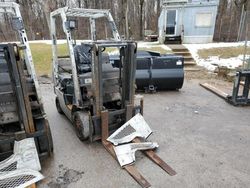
point(141, 19)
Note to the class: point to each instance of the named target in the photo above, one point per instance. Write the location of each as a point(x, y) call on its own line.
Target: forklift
point(21, 109)
point(95, 96)
point(85, 83)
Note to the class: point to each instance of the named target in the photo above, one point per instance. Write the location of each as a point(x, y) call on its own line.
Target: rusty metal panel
point(26, 97)
point(105, 124)
point(129, 112)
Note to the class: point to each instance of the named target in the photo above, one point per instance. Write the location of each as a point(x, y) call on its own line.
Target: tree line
point(138, 15)
point(132, 18)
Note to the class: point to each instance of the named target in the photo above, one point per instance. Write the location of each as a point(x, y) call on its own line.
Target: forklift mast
point(65, 13)
point(21, 109)
point(17, 23)
point(101, 87)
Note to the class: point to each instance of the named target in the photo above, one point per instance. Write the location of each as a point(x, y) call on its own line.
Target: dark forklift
point(21, 110)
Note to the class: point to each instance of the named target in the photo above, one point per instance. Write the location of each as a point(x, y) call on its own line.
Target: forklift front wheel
point(81, 124)
point(58, 107)
point(50, 140)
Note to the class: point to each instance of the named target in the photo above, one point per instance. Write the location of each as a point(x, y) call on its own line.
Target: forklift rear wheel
point(81, 124)
point(58, 107)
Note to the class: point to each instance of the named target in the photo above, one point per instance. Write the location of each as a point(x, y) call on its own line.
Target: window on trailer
point(203, 19)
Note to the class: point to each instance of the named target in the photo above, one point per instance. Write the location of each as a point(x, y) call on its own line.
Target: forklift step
point(38, 116)
point(33, 93)
point(35, 105)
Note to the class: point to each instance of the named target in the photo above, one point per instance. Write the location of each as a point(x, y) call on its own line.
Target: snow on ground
point(142, 44)
point(214, 61)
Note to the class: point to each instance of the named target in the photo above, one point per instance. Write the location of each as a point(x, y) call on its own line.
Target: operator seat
point(83, 58)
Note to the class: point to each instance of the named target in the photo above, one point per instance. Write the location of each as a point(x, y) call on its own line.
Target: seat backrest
point(83, 58)
point(64, 65)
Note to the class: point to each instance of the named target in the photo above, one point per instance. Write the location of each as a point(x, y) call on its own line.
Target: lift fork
point(131, 169)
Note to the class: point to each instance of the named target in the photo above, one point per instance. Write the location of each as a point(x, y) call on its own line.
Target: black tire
point(44, 142)
point(81, 124)
point(58, 107)
point(50, 140)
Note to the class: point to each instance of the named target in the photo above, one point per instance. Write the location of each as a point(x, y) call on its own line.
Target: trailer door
point(171, 22)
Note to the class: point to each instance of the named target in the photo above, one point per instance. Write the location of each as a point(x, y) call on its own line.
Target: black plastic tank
point(156, 71)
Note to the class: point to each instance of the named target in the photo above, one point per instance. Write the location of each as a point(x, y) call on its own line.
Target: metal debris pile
point(22, 168)
point(121, 138)
point(120, 147)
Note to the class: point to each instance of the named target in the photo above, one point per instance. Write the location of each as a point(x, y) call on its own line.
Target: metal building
point(187, 21)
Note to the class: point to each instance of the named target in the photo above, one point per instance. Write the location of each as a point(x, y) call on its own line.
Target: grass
point(110, 49)
point(223, 52)
point(42, 55)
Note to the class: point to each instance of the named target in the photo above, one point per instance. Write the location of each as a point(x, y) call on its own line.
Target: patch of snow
point(47, 41)
point(165, 47)
point(214, 61)
point(142, 44)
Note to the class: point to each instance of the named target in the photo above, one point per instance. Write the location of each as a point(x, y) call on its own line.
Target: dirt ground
point(202, 137)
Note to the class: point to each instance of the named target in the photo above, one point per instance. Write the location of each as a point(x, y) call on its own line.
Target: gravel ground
point(202, 137)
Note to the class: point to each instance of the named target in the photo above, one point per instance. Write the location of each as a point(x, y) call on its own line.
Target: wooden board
point(215, 90)
point(32, 186)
